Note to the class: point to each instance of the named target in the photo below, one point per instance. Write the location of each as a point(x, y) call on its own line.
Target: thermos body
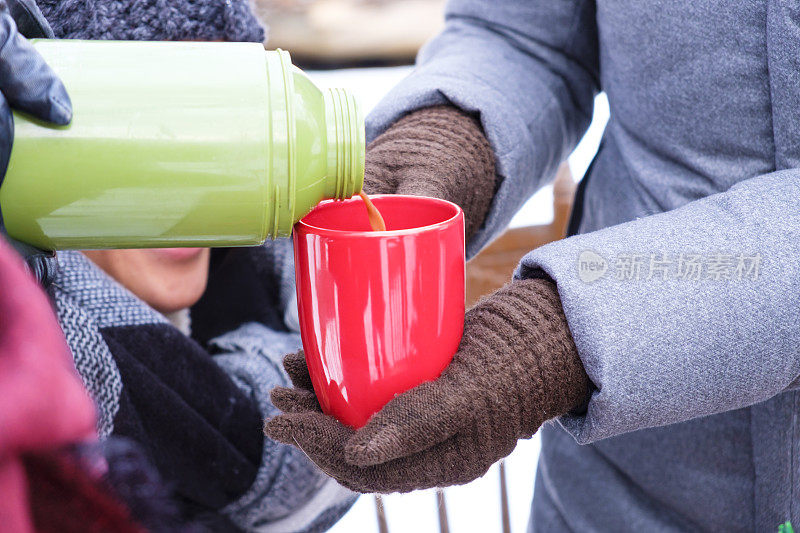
point(178, 144)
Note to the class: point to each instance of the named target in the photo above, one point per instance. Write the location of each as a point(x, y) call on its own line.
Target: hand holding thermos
point(26, 84)
point(516, 367)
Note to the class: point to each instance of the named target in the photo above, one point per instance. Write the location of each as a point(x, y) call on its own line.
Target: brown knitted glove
point(436, 151)
point(516, 367)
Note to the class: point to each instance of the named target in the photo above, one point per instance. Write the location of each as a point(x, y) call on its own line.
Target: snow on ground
point(474, 507)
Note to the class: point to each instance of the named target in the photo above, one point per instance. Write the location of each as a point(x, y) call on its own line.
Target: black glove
point(26, 84)
point(30, 20)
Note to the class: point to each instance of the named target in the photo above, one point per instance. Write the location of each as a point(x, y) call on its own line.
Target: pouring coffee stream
point(375, 217)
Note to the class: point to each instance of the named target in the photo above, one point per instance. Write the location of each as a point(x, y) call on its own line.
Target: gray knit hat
point(153, 20)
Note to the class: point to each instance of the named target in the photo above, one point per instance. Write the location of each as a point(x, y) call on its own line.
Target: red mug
point(380, 312)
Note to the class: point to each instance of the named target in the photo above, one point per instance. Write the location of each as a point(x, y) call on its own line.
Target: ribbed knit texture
point(153, 20)
point(516, 367)
point(437, 151)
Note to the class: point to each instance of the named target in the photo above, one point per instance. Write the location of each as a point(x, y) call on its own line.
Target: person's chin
point(167, 279)
point(177, 254)
point(183, 273)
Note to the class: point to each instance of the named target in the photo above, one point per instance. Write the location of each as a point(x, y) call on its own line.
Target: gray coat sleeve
point(290, 495)
point(530, 69)
point(675, 342)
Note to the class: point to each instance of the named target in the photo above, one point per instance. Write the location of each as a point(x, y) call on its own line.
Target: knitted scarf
point(153, 20)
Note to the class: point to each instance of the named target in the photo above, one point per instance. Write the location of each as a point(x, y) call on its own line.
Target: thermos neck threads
point(346, 144)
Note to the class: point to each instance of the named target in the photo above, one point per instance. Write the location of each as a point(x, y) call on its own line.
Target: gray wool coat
point(682, 290)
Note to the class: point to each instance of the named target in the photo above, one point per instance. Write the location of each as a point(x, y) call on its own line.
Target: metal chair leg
point(505, 515)
point(441, 504)
point(383, 526)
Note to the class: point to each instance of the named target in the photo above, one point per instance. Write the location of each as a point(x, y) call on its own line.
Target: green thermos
point(179, 144)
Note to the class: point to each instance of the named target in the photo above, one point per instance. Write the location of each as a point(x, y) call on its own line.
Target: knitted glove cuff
point(437, 151)
point(521, 332)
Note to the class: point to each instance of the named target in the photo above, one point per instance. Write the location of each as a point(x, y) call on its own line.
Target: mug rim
point(317, 230)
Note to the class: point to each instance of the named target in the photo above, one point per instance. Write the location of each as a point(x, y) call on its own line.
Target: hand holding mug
point(515, 368)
